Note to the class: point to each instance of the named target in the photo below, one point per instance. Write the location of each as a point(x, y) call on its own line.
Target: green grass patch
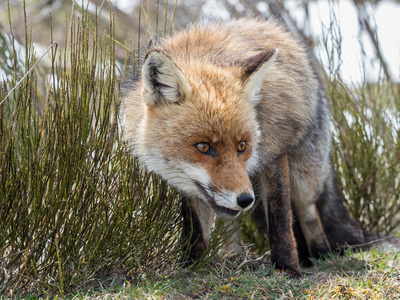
point(364, 275)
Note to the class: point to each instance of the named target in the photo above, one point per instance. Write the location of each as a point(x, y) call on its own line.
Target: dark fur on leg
point(281, 238)
point(192, 232)
point(260, 220)
point(259, 217)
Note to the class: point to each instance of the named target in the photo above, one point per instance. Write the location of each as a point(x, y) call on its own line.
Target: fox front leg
point(281, 238)
point(198, 218)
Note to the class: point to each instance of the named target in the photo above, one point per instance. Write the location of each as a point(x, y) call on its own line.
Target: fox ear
point(162, 79)
point(254, 71)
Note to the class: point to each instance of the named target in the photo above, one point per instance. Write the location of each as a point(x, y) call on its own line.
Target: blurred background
point(367, 30)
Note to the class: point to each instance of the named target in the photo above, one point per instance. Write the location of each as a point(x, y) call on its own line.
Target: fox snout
point(237, 204)
point(228, 206)
point(245, 201)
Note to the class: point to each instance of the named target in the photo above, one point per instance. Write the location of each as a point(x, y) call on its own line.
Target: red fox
point(225, 107)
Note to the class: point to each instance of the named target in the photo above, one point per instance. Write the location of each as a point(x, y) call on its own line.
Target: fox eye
point(241, 147)
point(203, 147)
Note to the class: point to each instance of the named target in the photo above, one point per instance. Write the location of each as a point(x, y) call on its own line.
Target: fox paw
point(291, 273)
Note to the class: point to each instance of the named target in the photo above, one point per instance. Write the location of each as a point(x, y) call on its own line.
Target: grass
point(366, 128)
point(80, 218)
point(365, 275)
point(74, 203)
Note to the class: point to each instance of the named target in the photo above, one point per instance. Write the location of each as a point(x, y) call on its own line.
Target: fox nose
point(245, 200)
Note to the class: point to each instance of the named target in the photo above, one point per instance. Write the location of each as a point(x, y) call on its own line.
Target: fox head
point(199, 129)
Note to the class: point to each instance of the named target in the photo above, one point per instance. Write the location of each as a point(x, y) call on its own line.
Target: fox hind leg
point(307, 182)
point(313, 231)
point(301, 243)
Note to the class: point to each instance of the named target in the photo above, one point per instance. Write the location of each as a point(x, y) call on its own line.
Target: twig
point(27, 73)
point(370, 242)
point(252, 260)
point(373, 35)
